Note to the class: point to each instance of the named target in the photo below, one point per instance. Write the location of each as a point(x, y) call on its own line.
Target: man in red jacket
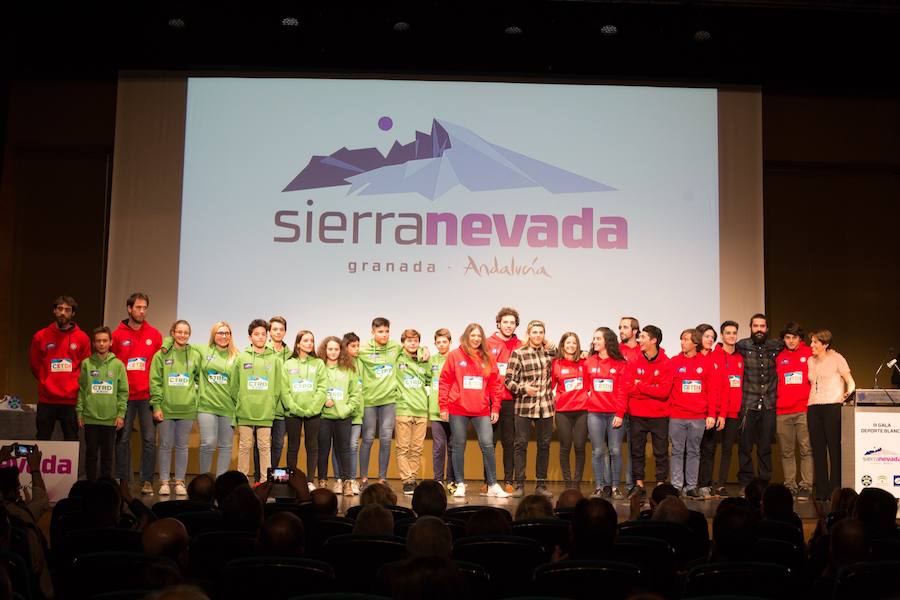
point(648, 405)
point(501, 345)
point(790, 410)
point(56, 354)
point(134, 342)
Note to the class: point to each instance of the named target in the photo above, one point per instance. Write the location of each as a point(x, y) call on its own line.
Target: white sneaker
point(354, 485)
point(180, 490)
point(495, 491)
point(460, 491)
point(311, 486)
point(164, 489)
point(337, 487)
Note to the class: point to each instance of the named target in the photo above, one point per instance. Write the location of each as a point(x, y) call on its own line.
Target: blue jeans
point(606, 448)
point(355, 430)
point(377, 419)
point(278, 431)
point(174, 433)
point(485, 432)
point(685, 435)
point(216, 432)
point(137, 409)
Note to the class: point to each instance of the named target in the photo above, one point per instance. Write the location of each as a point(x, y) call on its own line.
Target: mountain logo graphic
point(434, 164)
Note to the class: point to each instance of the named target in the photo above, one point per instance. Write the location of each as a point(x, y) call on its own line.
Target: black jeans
point(337, 430)
point(99, 440)
point(47, 416)
point(572, 427)
point(711, 438)
point(544, 430)
point(658, 429)
point(757, 428)
point(824, 423)
point(294, 425)
point(505, 433)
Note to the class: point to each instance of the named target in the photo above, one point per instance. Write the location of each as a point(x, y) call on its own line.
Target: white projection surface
point(433, 204)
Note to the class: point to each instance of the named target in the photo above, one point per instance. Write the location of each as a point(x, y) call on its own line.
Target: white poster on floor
point(59, 466)
point(877, 446)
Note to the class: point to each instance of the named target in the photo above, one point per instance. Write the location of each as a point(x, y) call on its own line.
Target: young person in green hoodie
point(305, 378)
point(174, 379)
point(379, 362)
point(101, 405)
point(413, 379)
point(442, 445)
point(215, 410)
point(341, 403)
point(350, 345)
point(277, 332)
point(257, 385)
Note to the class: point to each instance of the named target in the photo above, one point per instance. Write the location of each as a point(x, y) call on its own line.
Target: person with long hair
point(174, 378)
point(304, 375)
point(470, 392)
point(570, 385)
point(830, 385)
point(350, 345)
point(693, 411)
point(215, 409)
point(607, 403)
point(341, 403)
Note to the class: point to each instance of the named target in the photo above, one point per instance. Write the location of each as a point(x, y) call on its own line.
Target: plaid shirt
point(531, 365)
point(760, 383)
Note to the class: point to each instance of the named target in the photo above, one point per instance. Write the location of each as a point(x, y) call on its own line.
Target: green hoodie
point(257, 385)
point(284, 354)
point(174, 379)
point(436, 362)
point(305, 381)
point(215, 381)
point(102, 390)
point(342, 389)
point(378, 366)
point(412, 379)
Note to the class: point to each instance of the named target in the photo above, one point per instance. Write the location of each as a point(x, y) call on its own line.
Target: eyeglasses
point(223, 333)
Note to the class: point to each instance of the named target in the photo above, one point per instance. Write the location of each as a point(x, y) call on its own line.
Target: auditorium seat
point(564, 513)
point(341, 596)
point(62, 508)
point(104, 572)
point(18, 573)
point(124, 595)
point(868, 580)
point(781, 552)
point(210, 552)
point(201, 522)
point(356, 559)
point(507, 558)
point(172, 508)
point(90, 541)
point(399, 512)
point(304, 511)
point(319, 531)
point(654, 557)
point(760, 580)
point(275, 578)
point(549, 533)
point(464, 513)
point(457, 527)
point(476, 577)
point(678, 536)
point(589, 579)
point(779, 530)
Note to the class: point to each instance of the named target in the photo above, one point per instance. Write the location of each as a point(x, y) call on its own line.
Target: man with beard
point(56, 354)
point(759, 395)
point(134, 342)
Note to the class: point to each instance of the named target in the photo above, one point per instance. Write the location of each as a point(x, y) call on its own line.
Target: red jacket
point(135, 348)
point(464, 390)
point(55, 358)
point(793, 381)
point(501, 350)
point(730, 398)
point(630, 354)
point(569, 380)
point(692, 381)
point(608, 385)
point(650, 382)
point(718, 380)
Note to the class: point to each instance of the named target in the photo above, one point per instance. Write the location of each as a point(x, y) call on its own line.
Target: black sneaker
point(607, 492)
point(694, 494)
point(409, 488)
point(637, 490)
point(722, 491)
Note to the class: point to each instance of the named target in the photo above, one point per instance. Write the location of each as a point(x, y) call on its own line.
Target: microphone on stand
point(889, 364)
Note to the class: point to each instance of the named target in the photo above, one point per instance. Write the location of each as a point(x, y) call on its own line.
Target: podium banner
point(877, 450)
point(59, 466)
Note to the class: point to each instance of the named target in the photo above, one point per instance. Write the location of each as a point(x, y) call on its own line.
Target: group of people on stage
point(341, 395)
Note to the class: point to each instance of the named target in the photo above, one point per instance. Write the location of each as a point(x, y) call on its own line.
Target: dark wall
point(54, 199)
point(831, 182)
